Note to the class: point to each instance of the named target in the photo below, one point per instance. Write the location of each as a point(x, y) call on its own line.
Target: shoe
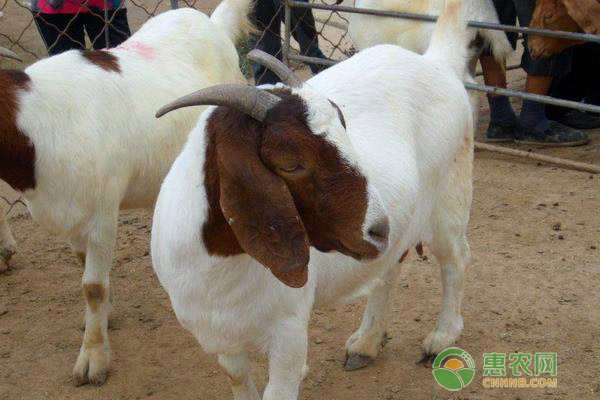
point(556, 135)
point(498, 133)
point(580, 120)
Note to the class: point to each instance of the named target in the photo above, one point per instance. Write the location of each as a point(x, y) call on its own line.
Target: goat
point(369, 30)
point(285, 197)
point(79, 140)
point(562, 15)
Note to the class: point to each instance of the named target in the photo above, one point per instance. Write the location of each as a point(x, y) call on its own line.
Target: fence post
point(287, 33)
point(174, 5)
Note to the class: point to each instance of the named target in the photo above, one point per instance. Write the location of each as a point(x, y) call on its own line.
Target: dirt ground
point(530, 289)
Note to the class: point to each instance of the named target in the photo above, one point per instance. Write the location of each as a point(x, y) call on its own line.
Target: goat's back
point(369, 30)
point(94, 127)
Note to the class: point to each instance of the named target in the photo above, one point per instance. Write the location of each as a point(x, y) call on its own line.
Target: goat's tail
point(450, 41)
point(496, 41)
point(232, 17)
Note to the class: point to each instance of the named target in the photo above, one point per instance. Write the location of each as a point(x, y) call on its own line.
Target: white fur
point(369, 30)
point(409, 129)
point(99, 147)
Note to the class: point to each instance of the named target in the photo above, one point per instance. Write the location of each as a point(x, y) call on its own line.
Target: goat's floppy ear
point(586, 13)
point(260, 210)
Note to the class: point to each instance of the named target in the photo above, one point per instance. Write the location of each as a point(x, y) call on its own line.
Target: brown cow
point(562, 15)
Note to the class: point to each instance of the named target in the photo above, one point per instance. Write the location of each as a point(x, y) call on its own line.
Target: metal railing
point(584, 37)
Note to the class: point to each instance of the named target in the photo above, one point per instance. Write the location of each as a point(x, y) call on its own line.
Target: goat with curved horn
point(286, 75)
point(247, 99)
point(10, 54)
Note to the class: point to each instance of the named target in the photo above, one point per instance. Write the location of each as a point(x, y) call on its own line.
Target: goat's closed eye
point(548, 17)
point(292, 169)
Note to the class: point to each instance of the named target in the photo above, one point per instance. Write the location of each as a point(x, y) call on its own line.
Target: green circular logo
point(454, 369)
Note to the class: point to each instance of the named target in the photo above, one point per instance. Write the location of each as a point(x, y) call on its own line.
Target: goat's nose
point(379, 231)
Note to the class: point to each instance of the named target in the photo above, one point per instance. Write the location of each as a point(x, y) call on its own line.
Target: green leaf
point(466, 375)
point(447, 379)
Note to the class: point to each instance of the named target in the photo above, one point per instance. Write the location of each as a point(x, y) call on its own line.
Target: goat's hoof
point(6, 254)
point(357, 361)
point(91, 367)
point(426, 360)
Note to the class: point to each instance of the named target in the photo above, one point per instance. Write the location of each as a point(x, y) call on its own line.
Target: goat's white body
point(100, 148)
point(407, 136)
point(369, 30)
point(95, 129)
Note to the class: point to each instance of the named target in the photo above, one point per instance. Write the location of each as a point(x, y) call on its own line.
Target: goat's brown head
point(562, 15)
point(281, 175)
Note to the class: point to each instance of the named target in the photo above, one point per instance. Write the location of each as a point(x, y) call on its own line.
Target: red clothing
point(73, 6)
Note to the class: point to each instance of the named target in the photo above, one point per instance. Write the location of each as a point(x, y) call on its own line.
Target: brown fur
point(103, 59)
point(95, 295)
point(261, 205)
point(17, 154)
point(562, 15)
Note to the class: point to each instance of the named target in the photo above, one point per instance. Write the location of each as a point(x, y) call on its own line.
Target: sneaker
point(498, 133)
point(580, 120)
point(556, 135)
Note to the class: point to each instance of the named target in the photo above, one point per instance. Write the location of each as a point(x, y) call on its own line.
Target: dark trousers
point(582, 83)
point(508, 13)
point(267, 17)
point(62, 32)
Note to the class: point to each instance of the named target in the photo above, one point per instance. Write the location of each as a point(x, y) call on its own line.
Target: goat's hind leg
point(237, 369)
point(8, 245)
point(363, 347)
point(449, 245)
point(94, 357)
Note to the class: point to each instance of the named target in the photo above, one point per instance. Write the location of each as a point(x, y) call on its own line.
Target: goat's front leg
point(94, 357)
point(287, 359)
point(363, 347)
point(8, 246)
point(237, 369)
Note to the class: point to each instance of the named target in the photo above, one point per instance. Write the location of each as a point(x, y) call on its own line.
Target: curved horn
point(280, 69)
point(246, 99)
point(10, 54)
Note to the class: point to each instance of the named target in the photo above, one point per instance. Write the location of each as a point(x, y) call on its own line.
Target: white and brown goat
point(291, 196)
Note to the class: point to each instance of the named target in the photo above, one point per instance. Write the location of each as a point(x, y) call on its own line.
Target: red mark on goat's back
point(138, 47)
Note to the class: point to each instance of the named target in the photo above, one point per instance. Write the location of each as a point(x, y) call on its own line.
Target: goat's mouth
point(367, 251)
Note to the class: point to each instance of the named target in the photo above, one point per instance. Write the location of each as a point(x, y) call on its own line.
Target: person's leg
point(305, 33)
point(266, 17)
point(502, 116)
point(576, 86)
point(591, 63)
point(118, 27)
point(118, 30)
point(60, 32)
point(535, 127)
